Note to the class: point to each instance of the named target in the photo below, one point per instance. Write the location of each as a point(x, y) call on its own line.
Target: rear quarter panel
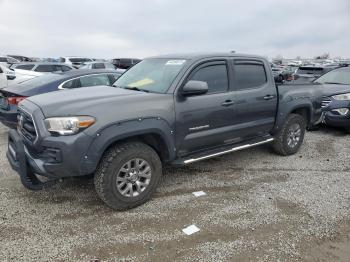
point(292, 97)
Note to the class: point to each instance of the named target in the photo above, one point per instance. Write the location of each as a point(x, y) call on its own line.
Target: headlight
point(342, 97)
point(68, 125)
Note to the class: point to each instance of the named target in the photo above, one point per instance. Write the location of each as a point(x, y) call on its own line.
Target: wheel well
point(304, 112)
point(154, 140)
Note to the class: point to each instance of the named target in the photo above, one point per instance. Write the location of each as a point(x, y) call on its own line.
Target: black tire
point(114, 159)
point(347, 130)
point(280, 144)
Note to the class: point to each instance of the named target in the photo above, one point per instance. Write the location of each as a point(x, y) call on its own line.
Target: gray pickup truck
point(166, 110)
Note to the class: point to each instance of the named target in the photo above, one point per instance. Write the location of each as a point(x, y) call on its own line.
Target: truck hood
point(334, 89)
point(68, 102)
point(107, 104)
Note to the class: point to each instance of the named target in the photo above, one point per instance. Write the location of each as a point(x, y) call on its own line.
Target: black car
point(12, 95)
point(125, 63)
point(336, 101)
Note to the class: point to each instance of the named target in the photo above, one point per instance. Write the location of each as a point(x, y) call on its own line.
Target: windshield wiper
point(333, 83)
point(132, 88)
point(135, 88)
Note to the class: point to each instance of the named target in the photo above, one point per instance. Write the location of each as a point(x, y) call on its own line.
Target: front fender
point(117, 131)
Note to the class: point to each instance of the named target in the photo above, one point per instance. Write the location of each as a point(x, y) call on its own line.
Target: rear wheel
point(128, 175)
point(291, 136)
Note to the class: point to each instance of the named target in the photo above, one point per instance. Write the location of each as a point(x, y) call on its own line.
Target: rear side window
point(214, 75)
point(249, 75)
point(25, 67)
point(44, 68)
point(94, 80)
point(69, 84)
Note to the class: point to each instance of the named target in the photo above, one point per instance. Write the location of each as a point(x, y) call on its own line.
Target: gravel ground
point(258, 207)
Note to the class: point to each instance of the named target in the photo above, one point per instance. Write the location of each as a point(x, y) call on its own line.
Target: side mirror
point(194, 87)
point(278, 80)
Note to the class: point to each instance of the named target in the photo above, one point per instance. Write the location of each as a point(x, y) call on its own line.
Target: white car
point(6, 75)
point(7, 61)
point(75, 61)
point(24, 75)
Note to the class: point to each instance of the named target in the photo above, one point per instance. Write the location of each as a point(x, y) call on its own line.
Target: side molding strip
point(228, 151)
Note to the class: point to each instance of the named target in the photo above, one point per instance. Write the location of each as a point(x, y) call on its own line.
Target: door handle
point(268, 97)
point(227, 103)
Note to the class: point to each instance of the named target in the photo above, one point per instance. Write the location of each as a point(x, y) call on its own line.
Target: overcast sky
point(116, 28)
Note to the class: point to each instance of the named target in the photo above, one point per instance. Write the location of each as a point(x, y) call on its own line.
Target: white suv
point(75, 61)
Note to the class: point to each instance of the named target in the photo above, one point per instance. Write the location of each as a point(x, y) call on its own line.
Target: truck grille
point(325, 102)
point(26, 126)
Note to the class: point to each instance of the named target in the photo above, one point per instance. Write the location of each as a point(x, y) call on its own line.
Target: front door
point(203, 121)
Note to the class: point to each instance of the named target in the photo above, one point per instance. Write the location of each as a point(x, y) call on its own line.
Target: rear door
point(203, 121)
point(255, 98)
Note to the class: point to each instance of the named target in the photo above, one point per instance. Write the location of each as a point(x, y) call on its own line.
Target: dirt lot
point(258, 207)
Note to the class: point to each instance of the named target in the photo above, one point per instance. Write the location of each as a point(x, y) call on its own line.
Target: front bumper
point(60, 156)
point(333, 118)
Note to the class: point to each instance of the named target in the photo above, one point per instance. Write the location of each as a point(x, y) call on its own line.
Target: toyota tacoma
point(166, 110)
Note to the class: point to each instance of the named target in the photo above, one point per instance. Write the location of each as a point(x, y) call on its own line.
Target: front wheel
point(291, 136)
point(128, 175)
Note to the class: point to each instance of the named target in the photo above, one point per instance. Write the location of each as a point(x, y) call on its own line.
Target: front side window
point(94, 80)
point(337, 76)
point(114, 77)
point(109, 66)
point(215, 76)
point(249, 75)
point(65, 68)
point(154, 74)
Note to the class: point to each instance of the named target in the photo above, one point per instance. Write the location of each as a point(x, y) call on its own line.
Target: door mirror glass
point(194, 87)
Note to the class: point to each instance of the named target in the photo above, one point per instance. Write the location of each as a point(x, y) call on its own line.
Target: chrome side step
point(192, 160)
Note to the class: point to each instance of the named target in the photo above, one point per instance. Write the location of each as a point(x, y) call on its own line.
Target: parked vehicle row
point(166, 110)
point(43, 67)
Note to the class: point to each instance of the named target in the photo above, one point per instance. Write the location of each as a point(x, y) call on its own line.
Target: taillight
point(14, 100)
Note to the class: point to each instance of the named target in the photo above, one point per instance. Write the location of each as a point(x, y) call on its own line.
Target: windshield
point(337, 76)
point(154, 75)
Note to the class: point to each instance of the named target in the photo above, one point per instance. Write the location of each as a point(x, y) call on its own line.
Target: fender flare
point(117, 131)
point(282, 115)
